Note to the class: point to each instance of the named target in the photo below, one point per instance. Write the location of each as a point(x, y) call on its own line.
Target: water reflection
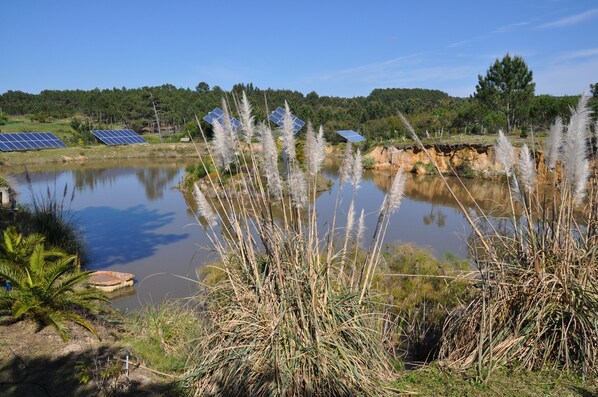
point(156, 180)
point(122, 236)
point(135, 222)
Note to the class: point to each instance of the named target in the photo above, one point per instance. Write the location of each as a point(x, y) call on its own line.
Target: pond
point(135, 220)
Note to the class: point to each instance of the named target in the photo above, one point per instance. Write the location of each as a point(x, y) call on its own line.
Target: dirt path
point(41, 364)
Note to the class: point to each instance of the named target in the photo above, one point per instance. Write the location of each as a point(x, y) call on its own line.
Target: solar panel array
point(351, 135)
point(277, 117)
point(217, 115)
point(118, 137)
point(29, 141)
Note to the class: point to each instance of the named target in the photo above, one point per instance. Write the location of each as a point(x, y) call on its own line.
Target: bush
point(46, 285)
point(536, 293)
point(293, 314)
point(464, 170)
point(50, 216)
point(368, 162)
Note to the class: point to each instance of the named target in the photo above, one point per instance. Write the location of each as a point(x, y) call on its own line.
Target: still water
point(135, 220)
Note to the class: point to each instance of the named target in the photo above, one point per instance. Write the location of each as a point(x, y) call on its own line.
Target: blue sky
point(341, 48)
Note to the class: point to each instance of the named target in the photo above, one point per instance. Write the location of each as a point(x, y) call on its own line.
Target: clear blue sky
point(341, 48)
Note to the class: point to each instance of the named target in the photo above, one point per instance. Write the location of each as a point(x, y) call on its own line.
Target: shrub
point(464, 170)
point(50, 216)
point(47, 284)
point(536, 297)
point(293, 314)
point(368, 162)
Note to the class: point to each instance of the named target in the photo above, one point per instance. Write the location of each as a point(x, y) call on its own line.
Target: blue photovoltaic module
point(351, 136)
point(277, 117)
point(118, 137)
point(29, 141)
point(217, 115)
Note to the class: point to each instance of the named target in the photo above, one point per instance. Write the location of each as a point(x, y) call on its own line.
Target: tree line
point(504, 99)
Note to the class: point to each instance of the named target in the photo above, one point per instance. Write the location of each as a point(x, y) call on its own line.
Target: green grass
point(434, 381)
point(164, 336)
point(60, 127)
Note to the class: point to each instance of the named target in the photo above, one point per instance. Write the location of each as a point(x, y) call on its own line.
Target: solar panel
point(351, 135)
point(277, 117)
point(217, 115)
point(29, 141)
point(118, 137)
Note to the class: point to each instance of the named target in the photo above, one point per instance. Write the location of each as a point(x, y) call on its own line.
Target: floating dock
point(109, 281)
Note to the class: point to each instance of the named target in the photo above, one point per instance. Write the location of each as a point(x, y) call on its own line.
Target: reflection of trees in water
point(435, 216)
point(90, 178)
point(156, 179)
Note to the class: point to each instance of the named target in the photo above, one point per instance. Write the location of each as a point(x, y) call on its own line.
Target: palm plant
point(293, 314)
point(47, 284)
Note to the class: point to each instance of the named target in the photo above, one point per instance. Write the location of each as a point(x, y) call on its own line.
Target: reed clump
point(536, 300)
point(291, 314)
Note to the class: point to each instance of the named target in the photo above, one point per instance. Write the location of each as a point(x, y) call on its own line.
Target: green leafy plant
point(47, 285)
point(368, 162)
point(108, 375)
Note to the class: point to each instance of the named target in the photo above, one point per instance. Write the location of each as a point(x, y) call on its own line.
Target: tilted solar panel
point(351, 135)
point(277, 116)
point(10, 142)
point(217, 115)
point(118, 137)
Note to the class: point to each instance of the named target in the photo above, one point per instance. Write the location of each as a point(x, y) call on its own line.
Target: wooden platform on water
point(109, 281)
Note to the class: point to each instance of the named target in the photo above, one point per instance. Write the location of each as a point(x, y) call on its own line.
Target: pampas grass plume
point(553, 143)
point(203, 206)
point(527, 169)
point(357, 170)
point(346, 165)
point(505, 154)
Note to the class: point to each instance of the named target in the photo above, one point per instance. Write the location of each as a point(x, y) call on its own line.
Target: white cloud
point(567, 56)
point(459, 43)
point(411, 71)
point(570, 20)
point(510, 27)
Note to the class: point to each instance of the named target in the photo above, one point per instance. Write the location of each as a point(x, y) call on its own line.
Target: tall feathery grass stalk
point(537, 300)
point(284, 321)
